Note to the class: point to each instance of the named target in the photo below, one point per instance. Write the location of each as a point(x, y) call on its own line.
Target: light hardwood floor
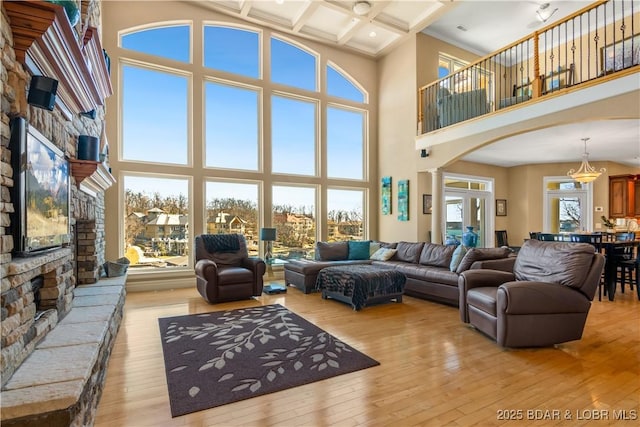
point(434, 370)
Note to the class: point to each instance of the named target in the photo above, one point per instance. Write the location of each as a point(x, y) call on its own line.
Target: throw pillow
point(457, 256)
point(333, 251)
point(409, 251)
point(373, 247)
point(359, 249)
point(436, 255)
point(384, 254)
point(481, 254)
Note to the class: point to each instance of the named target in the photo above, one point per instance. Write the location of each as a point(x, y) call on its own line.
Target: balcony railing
point(593, 43)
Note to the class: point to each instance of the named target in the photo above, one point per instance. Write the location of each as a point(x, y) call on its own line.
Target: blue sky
point(156, 122)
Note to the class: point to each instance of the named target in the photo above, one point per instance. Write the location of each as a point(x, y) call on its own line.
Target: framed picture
point(501, 207)
point(385, 200)
point(403, 200)
point(426, 203)
point(620, 55)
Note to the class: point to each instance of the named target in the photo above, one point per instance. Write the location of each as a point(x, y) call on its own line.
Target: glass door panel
point(453, 217)
point(477, 218)
point(466, 210)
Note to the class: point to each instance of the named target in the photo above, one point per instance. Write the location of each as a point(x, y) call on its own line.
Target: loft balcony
point(589, 56)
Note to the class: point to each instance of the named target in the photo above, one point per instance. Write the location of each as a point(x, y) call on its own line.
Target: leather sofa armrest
point(502, 264)
point(524, 297)
point(255, 264)
point(207, 269)
point(478, 278)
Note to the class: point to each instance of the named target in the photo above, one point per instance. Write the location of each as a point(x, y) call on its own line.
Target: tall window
point(294, 219)
point(345, 143)
point(232, 207)
point(195, 139)
point(156, 219)
point(293, 135)
point(567, 205)
point(344, 211)
point(232, 126)
point(145, 112)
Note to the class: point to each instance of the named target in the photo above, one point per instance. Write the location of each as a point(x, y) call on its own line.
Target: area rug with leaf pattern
point(221, 357)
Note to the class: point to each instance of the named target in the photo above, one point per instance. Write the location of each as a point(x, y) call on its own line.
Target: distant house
point(226, 223)
point(300, 223)
point(160, 225)
point(344, 230)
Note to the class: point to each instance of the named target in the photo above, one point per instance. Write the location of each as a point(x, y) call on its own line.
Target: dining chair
point(502, 240)
point(594, 239)
point(623, 259)
point(547, 237)
point(631, 268)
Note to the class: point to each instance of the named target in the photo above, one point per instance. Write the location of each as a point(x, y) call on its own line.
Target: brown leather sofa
point(224, 270)
point(543, 301)
point(426, 265)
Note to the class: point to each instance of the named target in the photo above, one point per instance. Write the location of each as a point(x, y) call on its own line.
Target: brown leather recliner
point(224, 270)
point(544, 301)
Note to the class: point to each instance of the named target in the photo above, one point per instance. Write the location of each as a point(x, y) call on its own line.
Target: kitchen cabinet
point(624, 196)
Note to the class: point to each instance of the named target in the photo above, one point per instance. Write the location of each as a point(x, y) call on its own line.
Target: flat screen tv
point(40, 193)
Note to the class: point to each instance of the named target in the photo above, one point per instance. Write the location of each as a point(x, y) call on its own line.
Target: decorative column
point(437, 203)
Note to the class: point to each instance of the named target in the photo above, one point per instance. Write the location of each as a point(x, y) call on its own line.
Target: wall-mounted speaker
point(88, 148)
point(42, 92)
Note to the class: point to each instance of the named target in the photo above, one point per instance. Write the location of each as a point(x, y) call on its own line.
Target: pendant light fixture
point(586, 173)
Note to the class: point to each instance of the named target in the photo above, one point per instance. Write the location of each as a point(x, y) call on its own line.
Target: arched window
point(235, 143)
point(172, 42)
point(341, 86)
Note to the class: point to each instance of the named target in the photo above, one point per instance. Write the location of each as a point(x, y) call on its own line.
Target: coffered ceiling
point(373, 28)
point(368, 27)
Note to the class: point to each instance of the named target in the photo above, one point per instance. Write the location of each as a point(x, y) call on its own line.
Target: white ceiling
point(334, 22)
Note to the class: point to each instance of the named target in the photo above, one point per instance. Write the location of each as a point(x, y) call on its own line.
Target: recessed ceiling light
point(361, 8)
point(372, 34)
point(461, 28)
point(279, 1)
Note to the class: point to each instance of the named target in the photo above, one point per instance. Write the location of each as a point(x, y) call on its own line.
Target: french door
point(468, 202)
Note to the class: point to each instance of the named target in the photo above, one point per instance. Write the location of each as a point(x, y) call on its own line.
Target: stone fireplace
point(56, 304)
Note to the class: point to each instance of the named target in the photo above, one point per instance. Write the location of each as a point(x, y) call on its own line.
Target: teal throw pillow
point(359, 249)
point(457, 256)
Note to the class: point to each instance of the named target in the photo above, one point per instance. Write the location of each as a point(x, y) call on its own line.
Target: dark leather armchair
point(544, 301)
point(224, 270)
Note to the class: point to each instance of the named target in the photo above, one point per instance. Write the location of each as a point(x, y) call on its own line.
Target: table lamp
point(268, 235)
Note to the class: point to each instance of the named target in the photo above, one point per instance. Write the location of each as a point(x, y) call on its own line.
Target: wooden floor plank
point(434, 370)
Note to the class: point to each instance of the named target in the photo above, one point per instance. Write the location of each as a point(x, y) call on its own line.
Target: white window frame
point(586, 218)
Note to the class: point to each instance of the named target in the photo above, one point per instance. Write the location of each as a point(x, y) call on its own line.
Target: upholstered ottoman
point(302, 273)
point(361, 285)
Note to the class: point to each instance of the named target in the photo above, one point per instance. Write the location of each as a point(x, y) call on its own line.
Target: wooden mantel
point(47, 45)
point(91, 176)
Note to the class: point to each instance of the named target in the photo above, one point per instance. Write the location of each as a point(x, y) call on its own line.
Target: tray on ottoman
point(361, 285)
